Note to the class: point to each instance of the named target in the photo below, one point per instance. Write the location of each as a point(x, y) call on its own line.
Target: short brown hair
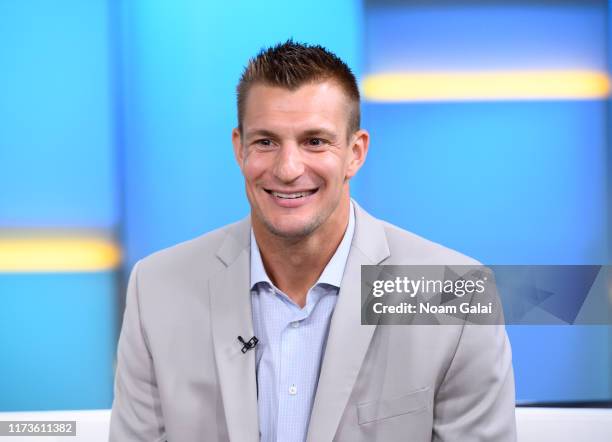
point(291, 65)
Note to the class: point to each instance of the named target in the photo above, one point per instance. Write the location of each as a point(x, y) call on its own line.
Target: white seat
point(564, 424)
point(533, 424)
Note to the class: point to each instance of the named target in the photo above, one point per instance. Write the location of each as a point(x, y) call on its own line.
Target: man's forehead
point(299, 122)
point(313, 104)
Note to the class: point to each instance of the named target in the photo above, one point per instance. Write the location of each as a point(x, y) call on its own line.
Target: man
point(289, 275)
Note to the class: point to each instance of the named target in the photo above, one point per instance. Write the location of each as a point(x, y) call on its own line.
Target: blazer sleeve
point(136, 413)
point(476, 400)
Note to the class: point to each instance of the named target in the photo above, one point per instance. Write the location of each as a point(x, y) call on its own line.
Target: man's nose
point(289, 163)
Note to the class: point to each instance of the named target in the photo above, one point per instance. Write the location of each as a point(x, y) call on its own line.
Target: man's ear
point(360, 141)
point(238, 149)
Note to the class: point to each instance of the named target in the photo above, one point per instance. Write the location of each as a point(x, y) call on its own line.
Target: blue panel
point(609, 188)
point(521, 182)
point(609, 151)
point(561, 363)
point(56, 151)
point(480, 36)
point(57, 335)
point(507, 182)
point(516, 182)
point(182, 61)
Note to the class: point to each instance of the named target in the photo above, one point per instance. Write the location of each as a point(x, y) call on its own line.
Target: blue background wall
point(512, 182)
point(115, 122)
point(58, 176)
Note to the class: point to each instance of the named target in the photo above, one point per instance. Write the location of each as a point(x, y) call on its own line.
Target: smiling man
point(253, 332)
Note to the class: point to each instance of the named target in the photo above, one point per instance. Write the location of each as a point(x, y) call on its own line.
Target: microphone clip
point(248, 345)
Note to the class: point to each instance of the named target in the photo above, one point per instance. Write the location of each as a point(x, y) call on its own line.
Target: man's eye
point(263, 142)
point(315, 142)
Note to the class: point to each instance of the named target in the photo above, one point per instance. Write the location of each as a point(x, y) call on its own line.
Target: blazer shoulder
point(195, 257)
point(409, 248)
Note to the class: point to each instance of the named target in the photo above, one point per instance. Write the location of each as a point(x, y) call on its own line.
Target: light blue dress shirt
point(292, 343)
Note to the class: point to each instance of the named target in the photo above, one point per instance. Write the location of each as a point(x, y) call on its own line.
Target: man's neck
point(295, 265)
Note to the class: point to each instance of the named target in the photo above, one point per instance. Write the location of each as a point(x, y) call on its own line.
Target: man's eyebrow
point(314, 132)
point(318, 132)
point(260, 133)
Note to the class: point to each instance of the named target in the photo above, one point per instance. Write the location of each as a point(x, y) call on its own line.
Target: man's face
point(296, 156)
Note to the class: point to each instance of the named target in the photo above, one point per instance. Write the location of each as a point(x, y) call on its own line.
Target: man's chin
point(291, 231)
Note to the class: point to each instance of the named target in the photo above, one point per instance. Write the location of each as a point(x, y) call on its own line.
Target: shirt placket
point(291, 384)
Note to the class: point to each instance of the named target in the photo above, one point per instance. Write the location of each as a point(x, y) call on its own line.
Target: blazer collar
point(236, 240)
point(370, 237)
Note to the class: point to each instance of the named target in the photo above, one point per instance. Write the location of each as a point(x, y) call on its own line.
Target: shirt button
point(295, 324)
point(293, 390)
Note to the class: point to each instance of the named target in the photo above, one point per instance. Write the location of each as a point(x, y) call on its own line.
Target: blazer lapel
point(231, 316)
point(348, 340)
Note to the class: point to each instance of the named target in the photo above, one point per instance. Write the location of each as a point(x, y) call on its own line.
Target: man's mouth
point(292, 195)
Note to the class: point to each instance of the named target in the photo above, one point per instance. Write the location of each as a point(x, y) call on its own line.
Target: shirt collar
point(334, 270)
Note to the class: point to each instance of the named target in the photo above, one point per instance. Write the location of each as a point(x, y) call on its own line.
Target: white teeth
point(291, 195)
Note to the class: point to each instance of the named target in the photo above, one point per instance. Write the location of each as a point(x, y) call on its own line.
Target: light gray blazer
point(182, 377)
